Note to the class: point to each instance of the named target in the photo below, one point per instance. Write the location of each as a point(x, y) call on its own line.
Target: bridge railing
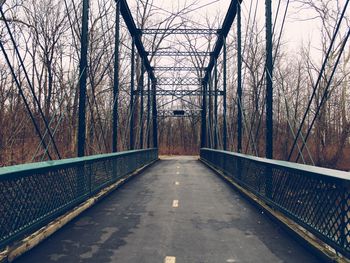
point(31, 195)
point(315, 198)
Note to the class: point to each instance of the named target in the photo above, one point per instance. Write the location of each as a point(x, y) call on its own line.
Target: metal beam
point(178, 31)
point(116, 80)
point(176, 116)
point(269, 97)
point(177, 68)
point(179, 53)
point(197, 92)
point(132, 88)
point(224, 106)
point(148, 112)
point(269, 84)
point(216, 106)
point(154, 115)
point(141, 88)
point(82, 79)
point(204, 117)
point(179, 81)
point(210, 112)
point(230, 16)
point(179, 113)
point(129, 21)
point(239, 80)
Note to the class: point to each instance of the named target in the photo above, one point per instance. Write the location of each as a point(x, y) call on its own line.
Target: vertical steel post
point(239, 78)
point(210, 113)
point(224, 135)
point(216, 105)
point(269, 84)
point(116, 80)
point(132, 89)
point(141, 102)
point(148, 112)
point(344, 217)
point(154, 115)
point(269, 97)
point(82, 79)
point(204, 116)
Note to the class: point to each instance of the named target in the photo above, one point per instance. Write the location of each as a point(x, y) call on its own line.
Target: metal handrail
point(23, 169)
point(318, 199)
point(32, 195)
point(308, 169)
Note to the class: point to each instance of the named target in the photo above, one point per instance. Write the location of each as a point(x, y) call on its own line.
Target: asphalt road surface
point(179, 211)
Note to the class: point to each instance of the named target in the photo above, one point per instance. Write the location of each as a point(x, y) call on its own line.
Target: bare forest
point(44, 51)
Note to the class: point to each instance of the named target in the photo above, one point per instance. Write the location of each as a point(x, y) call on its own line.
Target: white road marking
point(169, 259)
point(178, 167)
point(176, 203)
point(177, 172)
point(177, 183)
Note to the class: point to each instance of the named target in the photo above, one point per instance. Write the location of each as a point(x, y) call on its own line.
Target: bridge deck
point(138, 223)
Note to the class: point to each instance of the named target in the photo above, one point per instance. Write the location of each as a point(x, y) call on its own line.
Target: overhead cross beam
point(179, 113)
point(179, 53)
point(178, 31)
point(179, 81)
point(196, 92)
point(178, 68)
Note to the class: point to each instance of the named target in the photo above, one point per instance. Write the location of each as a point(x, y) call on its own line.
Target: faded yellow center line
point(176, 203)
point(169, 259)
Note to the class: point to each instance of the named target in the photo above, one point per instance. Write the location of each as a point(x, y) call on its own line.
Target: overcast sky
point(298, 30)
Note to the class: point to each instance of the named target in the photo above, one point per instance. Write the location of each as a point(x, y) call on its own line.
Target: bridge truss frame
point(209, 90)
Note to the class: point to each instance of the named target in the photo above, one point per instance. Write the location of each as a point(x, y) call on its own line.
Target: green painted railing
point(318, 199)
point(31, 195)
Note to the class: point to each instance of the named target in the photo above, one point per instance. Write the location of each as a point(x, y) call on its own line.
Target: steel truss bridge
point(179, 210)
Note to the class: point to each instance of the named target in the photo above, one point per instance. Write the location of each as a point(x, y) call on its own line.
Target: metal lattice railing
point(31, 195)
point(318, 199)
